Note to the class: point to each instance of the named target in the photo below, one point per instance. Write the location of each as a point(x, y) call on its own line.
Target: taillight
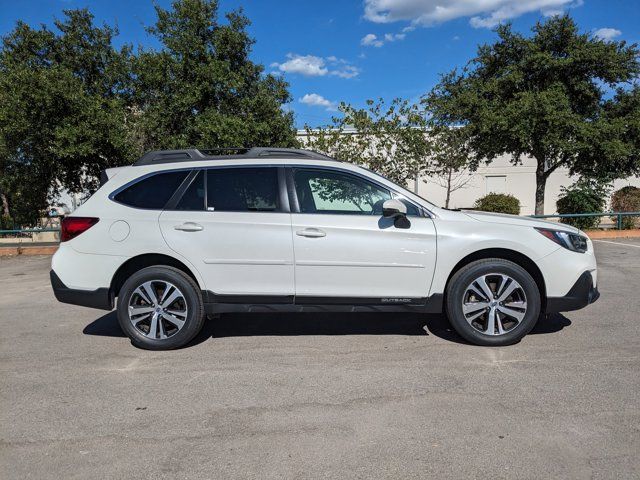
point(71, 227)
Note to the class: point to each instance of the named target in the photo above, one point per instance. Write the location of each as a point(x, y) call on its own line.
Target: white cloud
point(607, 34)
point(371, 40)
point(316, 100)
point(392, 37)
point(308, 65)
point(346, 71)
point(313, 66)
point(483, 13)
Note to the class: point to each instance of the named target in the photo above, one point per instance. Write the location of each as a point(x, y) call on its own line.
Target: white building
point(501, 176)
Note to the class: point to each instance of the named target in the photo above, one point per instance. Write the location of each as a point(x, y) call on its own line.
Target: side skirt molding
point(216, 303)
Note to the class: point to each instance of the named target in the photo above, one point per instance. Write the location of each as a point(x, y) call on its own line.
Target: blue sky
point(332, 51)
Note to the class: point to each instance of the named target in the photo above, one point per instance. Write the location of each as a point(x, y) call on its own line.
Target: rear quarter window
point(152, 192)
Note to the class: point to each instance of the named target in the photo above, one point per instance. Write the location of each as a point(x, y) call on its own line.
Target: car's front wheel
point(160, 308)
point(493, 302)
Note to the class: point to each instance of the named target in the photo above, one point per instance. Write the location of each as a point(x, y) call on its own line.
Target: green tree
point(71, 104)
point(202, 90)
point(546, 96)
point(62, 111)
point(389, 139)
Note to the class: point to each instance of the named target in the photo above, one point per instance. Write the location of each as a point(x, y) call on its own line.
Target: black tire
point(191, 298)
point(466, 275)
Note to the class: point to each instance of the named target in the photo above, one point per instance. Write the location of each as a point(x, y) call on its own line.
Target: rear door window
point(243, 190)
point(152, 192)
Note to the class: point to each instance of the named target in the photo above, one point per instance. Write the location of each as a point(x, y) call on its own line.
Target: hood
point(517, 220)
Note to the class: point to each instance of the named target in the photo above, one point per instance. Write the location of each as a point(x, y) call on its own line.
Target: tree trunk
point(5, 205)
point(541, 183)
point(446, 203)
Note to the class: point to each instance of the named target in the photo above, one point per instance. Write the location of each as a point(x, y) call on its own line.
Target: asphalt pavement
point(310, 396)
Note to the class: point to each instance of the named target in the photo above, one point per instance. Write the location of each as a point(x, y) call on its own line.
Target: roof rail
point(193, 154)
point(169, 156)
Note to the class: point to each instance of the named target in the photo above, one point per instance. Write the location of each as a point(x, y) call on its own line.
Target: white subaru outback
point(184, 233)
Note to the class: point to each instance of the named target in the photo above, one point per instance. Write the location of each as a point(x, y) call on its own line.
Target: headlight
point(570, 241)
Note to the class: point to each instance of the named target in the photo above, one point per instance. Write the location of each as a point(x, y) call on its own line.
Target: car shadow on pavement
point(105, 326)
point(552, 323)
point(293, 324)
point(309, 324)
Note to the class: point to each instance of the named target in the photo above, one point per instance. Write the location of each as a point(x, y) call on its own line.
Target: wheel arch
point(139, 262)
point(505, 254)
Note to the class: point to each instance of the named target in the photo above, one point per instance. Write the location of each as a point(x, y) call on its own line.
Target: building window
point(496, 183)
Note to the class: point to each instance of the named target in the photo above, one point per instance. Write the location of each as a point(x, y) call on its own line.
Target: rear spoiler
point(108, 174)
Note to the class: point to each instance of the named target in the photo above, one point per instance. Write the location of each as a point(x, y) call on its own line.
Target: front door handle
point(189, 227)
point(311, 233)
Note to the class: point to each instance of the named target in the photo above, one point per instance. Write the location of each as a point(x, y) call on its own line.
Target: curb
point(35, 250)
point(597, 234)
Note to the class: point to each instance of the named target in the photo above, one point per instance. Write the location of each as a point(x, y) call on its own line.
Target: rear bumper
point(101, 298)
point(581, 294)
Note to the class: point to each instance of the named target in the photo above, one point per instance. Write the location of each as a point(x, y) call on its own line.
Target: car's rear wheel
point(160, 308)
point(493, 302)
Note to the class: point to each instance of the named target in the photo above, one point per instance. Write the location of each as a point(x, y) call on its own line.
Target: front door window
point(327, 192)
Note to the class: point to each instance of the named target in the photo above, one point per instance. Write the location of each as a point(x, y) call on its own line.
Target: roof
point(193, 154)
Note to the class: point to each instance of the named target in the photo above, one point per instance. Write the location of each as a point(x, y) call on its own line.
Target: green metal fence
point(618, 215)
point(28, 230)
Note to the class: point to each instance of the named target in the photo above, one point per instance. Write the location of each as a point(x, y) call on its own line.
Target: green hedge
point(499, 203)
point(584, 196)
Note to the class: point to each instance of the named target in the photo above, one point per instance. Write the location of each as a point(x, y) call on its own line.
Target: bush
point(584, 196)
point(499, 203)
point(6, 223)
point(627, 199)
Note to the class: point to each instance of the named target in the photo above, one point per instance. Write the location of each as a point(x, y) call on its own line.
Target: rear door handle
point(311, 233)
point(189, 227)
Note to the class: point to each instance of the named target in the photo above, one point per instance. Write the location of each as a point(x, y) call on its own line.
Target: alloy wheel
point(157, 309)
point(494, 304)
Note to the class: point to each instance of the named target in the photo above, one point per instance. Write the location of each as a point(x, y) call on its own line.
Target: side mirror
point(394, 208)
point(398, 211)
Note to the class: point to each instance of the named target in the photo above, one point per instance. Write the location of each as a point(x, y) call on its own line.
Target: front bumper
point(581, 294)
point(101, 298)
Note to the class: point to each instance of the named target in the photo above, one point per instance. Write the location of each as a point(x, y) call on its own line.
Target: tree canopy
point(201, 88)
point(72, 104)
point(62, 110)
point(548, 96)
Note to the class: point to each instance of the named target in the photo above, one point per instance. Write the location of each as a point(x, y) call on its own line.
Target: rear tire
point(492, 302)
point(160, 308)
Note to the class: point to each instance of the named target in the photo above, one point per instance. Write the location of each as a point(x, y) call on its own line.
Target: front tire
point(492, 302)
point(160, 308)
